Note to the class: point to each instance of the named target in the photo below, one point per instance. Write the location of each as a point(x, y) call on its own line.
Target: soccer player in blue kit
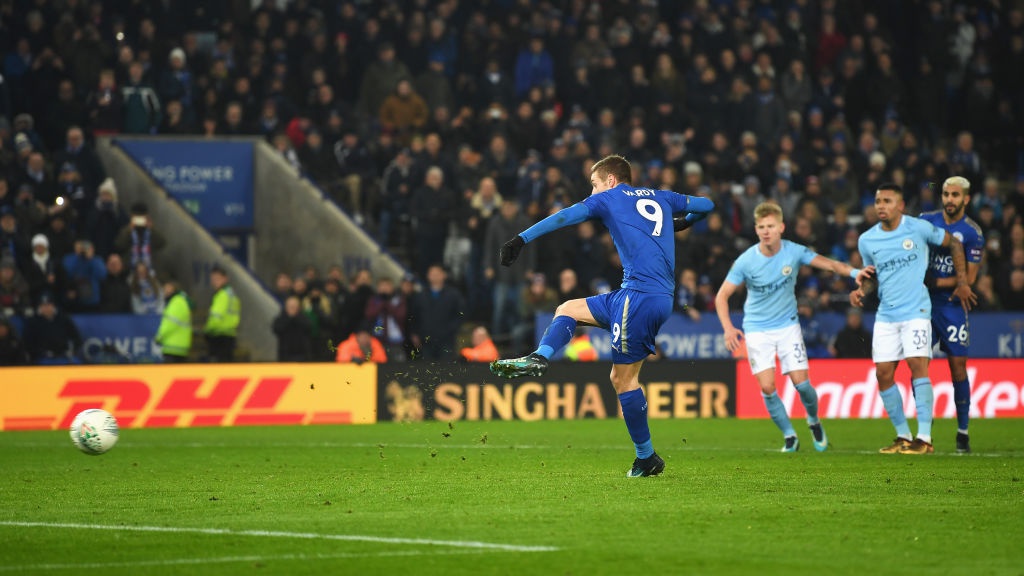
point(770, 324)
point(949, 318)
point(898, 249)
point(642, 224)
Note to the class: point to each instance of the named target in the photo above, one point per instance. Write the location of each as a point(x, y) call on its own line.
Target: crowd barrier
point(183, 395)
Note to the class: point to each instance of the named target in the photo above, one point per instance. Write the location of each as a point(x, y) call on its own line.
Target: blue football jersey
point(940, 262)
point(771, 285)
point(640, 222)
point(900, 258)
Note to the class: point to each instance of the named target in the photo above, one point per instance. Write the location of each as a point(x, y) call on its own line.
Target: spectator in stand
point(50, 336)
point(294, 332)
point(174, 336)
point(324, 317)
point(178, 83)
point(404, 111)
point(103, 224)
point(105, 105)
point(396, 190)
point(221, 328)
point(141, 104)
point(138, 241)
point(282, 286)
point(508, 281)
point(534, 66)
point(84, 272)
point(14, 291)
point(115, 291)
point(437, 312)
point(78, 153)
point(361, 347)
point(483, 348)
point(147, 295)
point(317, 161)
point(430, 210)
point(355, 166)
point(388, 311)
point(13, 243)
point(380, 79)
point(853, 341)
point(43, 273)
point(12, 350)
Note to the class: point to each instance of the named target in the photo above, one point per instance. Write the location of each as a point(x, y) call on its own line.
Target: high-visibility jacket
point(482, 352)
point(175, 332)
point(350, 351)
point(581, 350)
point(225, 313)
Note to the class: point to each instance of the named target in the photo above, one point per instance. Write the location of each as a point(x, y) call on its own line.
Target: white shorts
point(894, 341)
point(786, 343)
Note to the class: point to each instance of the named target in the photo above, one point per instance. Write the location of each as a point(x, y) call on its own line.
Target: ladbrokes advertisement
point(190, 395)
point(848, 389)
point(567, 391)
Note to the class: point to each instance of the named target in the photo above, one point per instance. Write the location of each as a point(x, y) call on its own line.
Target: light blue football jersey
point(771, 285)
point(900, 258)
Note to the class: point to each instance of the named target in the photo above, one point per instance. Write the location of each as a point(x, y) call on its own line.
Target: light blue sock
point(634, 412)
point(924, 400)
point(809, 396)
point(777, 410)
point(557, 335)
point(893, 403)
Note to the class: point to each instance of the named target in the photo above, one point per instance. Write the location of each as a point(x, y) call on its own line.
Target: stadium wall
point(191, 251)
point(298, 225)
point(186, 395)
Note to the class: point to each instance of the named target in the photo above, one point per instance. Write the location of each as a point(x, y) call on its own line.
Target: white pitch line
point(280, 534)
point(229, 560)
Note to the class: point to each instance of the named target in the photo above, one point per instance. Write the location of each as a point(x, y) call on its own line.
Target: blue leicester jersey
point(771, 285)
point(640, 222)
point(940, 262)
point(900, 258)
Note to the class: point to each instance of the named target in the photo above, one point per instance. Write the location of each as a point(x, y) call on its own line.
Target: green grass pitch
point(511, 498)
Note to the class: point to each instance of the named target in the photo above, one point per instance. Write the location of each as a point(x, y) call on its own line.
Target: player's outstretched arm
point(822, 263)
point(697, 208)
point(565, 217)
point(731, 333)
point(963, 288)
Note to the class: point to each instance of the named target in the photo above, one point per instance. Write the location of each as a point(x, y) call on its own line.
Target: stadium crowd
point(443, 127)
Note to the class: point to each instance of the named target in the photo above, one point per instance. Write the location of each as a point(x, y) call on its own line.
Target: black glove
point(510, 250)
point(680, 224)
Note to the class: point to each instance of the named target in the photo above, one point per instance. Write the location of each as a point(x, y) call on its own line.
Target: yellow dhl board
point(182, 395)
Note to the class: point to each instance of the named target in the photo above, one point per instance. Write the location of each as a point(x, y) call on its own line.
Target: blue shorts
point(633, 318)
point(950, 328)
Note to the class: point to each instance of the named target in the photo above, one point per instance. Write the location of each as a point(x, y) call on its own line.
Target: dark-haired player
point(641, 223)
point(949, 318)
point(898, 249)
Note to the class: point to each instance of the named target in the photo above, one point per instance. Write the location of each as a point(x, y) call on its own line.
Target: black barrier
point(420, 390)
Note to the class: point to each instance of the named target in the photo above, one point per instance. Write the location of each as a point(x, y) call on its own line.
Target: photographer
point(85, 272)
point(138, 241)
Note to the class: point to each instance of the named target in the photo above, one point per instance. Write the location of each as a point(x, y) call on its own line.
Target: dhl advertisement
point(567, 391)
point(190, 395)
point(848, 389)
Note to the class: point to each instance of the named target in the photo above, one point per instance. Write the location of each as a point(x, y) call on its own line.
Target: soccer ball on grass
point(94, 431)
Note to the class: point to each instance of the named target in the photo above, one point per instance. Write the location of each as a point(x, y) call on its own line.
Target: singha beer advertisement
point(568, 391)
point(190, 395)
